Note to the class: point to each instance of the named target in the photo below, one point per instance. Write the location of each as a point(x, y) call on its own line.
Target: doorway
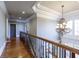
point(12, 30)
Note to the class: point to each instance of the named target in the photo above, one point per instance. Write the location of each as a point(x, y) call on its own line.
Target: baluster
point(60, 52)
point(45, 50)
point(48, 50)
point(40, 48)
point(37, 47)
point(53, 51)
point(64, 53)
point(68, 54)
point(72, 55)
point(56, 51)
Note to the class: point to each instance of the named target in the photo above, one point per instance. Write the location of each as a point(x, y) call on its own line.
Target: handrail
point(73, 50)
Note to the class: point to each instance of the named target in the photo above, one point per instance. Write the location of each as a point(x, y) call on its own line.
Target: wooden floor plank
point(16, 49)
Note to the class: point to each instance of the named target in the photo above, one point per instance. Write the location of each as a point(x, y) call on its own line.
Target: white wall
point(69, 38)
point(43, 27)
point(3, 30)
point(46, 28)
point(33, 26)
point(6, 27)
point(8, 30)
point(20, 27)
point(45, 23)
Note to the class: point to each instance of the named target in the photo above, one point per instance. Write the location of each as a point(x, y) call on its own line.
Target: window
point(69, 24)
point(76, 27)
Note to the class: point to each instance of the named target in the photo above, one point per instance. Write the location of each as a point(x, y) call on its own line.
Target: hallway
point(16, 49)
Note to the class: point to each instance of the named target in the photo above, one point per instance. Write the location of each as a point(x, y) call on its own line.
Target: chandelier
point(62, 26)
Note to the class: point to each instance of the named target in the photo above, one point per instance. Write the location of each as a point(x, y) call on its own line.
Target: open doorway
point(12, 30)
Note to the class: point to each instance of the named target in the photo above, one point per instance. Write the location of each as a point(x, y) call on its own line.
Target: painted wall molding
point(2, 48)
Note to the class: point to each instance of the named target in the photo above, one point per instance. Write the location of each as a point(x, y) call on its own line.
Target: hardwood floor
point(16, 49)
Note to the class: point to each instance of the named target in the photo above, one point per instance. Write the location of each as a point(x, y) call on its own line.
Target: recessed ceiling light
point(23, 12)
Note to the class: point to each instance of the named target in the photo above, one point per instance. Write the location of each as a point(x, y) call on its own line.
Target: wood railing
point(44, 48)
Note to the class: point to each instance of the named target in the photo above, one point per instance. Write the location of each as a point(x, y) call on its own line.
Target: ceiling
point(56, 5)
point(15, 8)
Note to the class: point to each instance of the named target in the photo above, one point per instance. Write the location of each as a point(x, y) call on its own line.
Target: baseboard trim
point(2, 48)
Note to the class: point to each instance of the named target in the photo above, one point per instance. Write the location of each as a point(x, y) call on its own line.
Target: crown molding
point(45, 12)
point(72, 12)
point(46, 9)
point(72, 15)
point(3, 8)
point(54, 18)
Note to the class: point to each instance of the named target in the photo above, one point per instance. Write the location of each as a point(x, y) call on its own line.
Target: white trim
point(72, 15)
point(45, 12)
point(50, 13)
point(46, 9)
point(2, 48)
point(54, 18)
point(72, 12)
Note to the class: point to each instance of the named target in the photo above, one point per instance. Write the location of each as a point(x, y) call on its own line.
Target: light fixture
point(23, 12)
point(62, 26)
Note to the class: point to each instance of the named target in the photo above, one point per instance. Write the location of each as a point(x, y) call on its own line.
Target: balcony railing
point(44, 48)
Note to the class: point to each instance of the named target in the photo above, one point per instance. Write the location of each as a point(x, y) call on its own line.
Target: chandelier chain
point(62, 10)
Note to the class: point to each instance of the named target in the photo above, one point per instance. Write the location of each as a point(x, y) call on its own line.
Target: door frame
point(10, 29)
